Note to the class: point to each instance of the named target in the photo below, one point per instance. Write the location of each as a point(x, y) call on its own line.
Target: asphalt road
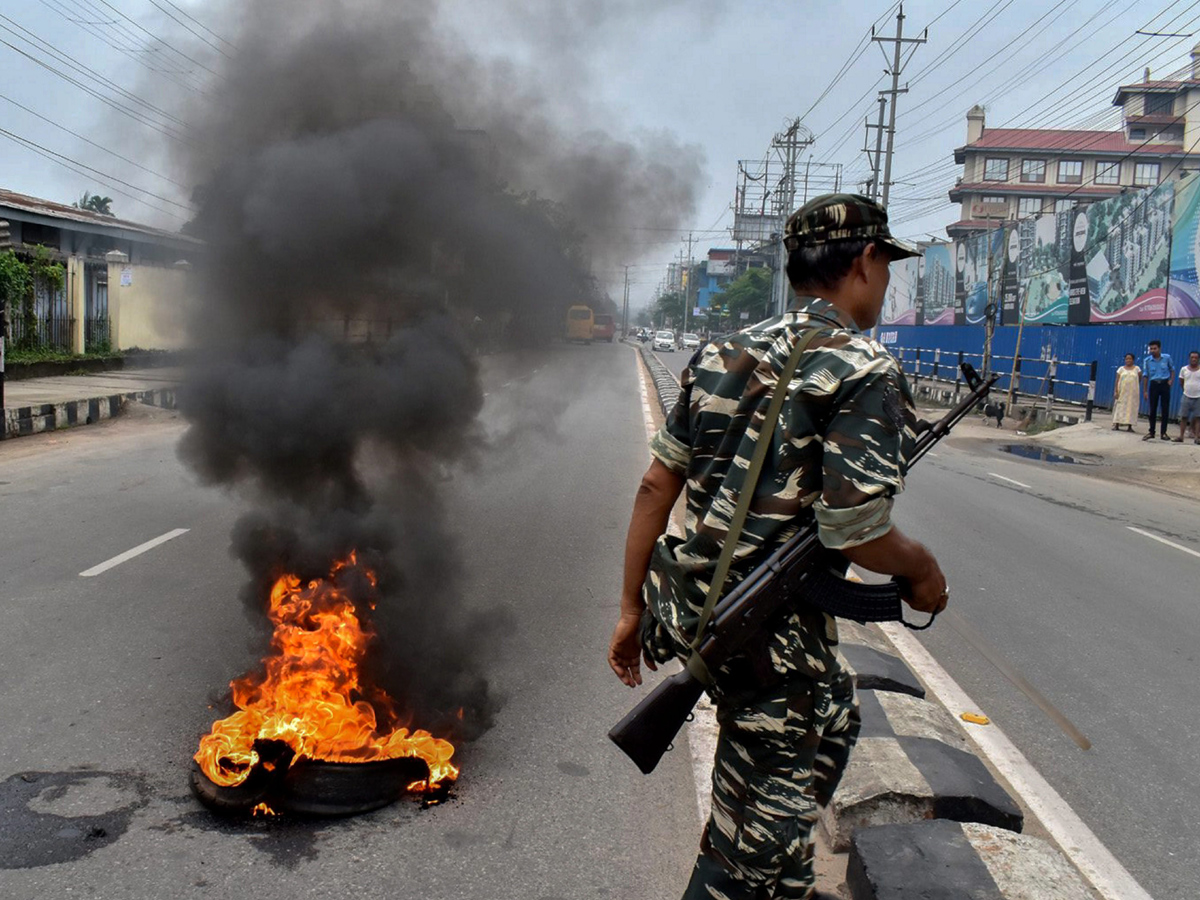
point(110, 680)
point(1102, 620)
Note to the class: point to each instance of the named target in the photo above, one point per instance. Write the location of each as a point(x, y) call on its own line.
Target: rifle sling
point(695, 663)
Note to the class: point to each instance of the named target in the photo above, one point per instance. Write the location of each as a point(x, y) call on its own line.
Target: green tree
point(749, 293)
point(95, 203)
point(668, 309)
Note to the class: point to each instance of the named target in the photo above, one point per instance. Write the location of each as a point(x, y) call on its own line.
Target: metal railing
point(1028, 379)
point(47, 332)
point(97, 333)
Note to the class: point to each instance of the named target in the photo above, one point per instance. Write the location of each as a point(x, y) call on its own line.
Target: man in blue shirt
point(1157, 373)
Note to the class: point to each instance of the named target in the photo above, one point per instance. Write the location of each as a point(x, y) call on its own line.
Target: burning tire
point(314, 787)
point(317, 788)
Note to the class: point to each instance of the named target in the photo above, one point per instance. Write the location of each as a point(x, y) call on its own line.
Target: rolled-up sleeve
point(863, 462)
point(672, 444)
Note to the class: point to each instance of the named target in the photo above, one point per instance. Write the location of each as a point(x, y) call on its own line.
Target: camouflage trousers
point(777, 759)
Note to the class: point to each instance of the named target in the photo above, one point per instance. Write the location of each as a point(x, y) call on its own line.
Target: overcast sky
point(724, 76)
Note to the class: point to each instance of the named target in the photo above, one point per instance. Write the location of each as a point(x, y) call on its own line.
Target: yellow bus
point(579, 324)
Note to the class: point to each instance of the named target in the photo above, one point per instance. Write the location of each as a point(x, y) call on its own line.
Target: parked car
point(690, 341)
point(664, 340)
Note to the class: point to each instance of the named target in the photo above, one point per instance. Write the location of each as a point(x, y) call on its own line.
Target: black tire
point(316, 788)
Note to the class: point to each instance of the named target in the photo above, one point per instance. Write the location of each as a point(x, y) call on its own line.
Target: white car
point(664, 340)
point(690, 342)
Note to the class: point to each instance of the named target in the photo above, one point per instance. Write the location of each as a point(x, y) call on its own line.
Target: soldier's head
point(839, 248)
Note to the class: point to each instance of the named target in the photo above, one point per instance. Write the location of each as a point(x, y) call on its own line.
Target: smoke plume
point(374, 199)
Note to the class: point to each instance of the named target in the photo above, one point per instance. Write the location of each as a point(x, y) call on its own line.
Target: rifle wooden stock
point(648, 729)
point(801, 571)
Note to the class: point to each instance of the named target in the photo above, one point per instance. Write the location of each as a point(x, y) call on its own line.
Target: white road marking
point(1075, 839)
point(130, 554)
point(1163, 540)
point(702, 729)
point(934, 455)
point(1010, 480)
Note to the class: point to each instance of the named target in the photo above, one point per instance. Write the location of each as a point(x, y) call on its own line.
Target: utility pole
point(789, 143)
point(625, 306)
point(876, 160)
point(897, 67)
point(5, 243)
point(687, 284)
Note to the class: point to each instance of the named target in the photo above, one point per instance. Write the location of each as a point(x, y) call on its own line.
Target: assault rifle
point(801, 571)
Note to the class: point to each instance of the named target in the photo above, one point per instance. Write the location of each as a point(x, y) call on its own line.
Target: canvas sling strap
point(695, 663)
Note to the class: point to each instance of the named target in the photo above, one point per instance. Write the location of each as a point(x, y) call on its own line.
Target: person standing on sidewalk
point(837, 456)
point(1189, 409)
point(1158, 372)
point(1125, 394)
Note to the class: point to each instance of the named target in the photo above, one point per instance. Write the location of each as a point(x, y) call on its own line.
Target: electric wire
point(192, 18)
point(86, 140)
point(183, 24)
point(95, 174)
point(136, 50)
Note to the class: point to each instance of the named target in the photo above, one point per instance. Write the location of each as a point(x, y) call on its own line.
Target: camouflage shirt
point(838, 455)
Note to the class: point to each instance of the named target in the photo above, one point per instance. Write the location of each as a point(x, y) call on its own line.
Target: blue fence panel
point(1107, 344)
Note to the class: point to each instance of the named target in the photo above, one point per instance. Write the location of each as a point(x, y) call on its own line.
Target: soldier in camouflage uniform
point(786, 708)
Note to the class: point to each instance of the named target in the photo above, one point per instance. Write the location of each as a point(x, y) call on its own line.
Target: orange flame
point(310, 695)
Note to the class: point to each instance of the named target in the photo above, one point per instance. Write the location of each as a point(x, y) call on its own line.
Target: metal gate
point(97, 334)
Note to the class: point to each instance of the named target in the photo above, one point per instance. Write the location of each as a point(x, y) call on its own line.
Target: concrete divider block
point(944, 860)
point(874, 670)
point(913, 763)
point(871, 659)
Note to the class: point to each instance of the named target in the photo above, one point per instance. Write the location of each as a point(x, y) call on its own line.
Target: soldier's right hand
point(929, 593)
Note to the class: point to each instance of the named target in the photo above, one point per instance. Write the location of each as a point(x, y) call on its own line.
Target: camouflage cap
point(842, 217)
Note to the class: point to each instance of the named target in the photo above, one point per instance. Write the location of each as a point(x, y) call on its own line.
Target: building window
point(995, 170)
point(1029, 206)
point(1137, 134)
point(1070, 171)
point(1033, 170)
point(1160, 104)
point(1108, 173)
point(1145, 173)
point(1061, 206)
point(993, 201)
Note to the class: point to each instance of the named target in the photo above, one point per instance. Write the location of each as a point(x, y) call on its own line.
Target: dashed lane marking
point(1011, 480)
point(1163, 540)
point(1077, 841)
point(130, 554)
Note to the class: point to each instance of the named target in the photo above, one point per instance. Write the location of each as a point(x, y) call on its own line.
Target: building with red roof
point(1015, 173)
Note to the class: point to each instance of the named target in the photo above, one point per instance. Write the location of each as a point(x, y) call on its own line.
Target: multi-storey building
point(1015, 173)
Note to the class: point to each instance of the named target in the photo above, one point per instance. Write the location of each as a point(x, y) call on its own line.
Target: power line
point(76, 134)
point(73, 165)
point(155, 37)
point(134, 49)
point(186, 26)
point(85, 72)
point(192, 18)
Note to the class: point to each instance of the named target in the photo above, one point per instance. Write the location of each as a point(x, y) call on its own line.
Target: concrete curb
point(913, 763)
point(25, 420)
point(944, 860)
point(665, 384)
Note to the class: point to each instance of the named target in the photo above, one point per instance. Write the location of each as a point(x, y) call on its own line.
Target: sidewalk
point(35, 405)
point(1100, 451)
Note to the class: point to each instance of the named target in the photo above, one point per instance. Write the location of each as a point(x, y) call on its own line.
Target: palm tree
point(95, 203)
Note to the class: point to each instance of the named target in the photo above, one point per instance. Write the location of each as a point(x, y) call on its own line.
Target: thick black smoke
point(374, 199)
